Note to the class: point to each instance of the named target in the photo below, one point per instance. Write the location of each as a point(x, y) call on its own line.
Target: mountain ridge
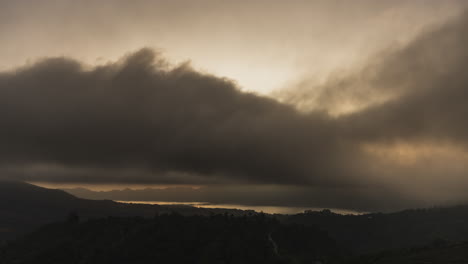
point(25, 207)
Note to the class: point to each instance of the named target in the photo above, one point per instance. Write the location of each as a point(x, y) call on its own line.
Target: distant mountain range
point(249, 196)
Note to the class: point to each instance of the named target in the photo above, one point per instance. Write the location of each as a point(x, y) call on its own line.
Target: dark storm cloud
point(142, 113)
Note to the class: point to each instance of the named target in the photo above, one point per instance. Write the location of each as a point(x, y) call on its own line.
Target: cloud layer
point(142, 120)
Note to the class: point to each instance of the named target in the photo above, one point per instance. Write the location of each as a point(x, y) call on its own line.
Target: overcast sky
point(346, 104)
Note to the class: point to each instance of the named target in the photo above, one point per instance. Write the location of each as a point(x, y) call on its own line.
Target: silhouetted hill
point(401, 236)
point(172, 238)
point(434, 254)
point(376, 232)
point(25, 207)
point(27, 194)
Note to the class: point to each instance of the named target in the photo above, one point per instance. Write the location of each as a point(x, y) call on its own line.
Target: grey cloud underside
point(169, 124)
point(140, 113)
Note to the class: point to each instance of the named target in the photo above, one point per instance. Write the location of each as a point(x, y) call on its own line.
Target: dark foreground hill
point(401, 236)
point(25, 207)
point(370, 233)
point(435, 254)
point(360, 234)
point(173, 238)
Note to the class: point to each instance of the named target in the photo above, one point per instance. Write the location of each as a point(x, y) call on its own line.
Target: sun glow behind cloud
point(263, 47)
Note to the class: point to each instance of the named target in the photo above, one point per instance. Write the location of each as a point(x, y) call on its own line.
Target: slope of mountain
point(172, 238)
point(402, 236)
point(435, 254)
point(25, 207)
